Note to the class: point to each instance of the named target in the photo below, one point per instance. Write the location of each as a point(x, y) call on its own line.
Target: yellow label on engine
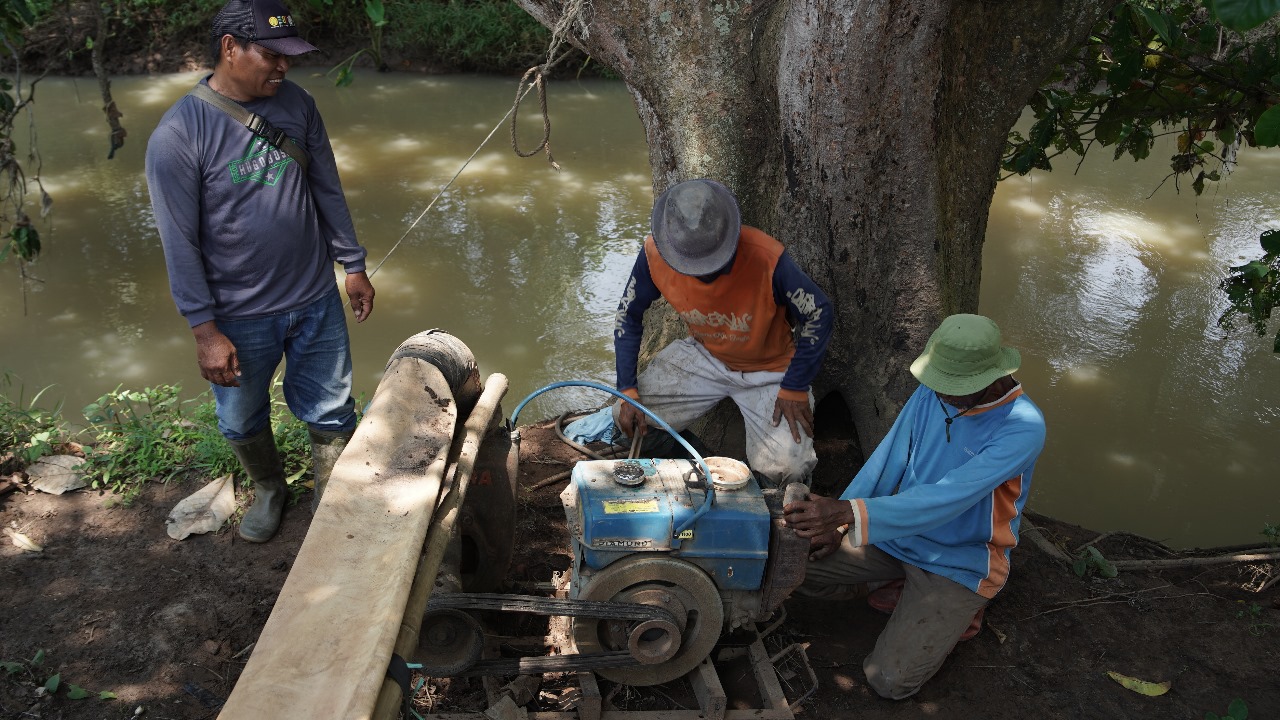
point(686, 534)
point(619, 507)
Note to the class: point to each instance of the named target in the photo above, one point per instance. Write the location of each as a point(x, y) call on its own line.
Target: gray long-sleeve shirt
point(244, 233)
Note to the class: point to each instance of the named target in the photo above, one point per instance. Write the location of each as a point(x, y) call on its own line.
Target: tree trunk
point(865, 135)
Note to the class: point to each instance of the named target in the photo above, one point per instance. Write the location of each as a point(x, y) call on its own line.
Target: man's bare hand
point(629, 418)
point(817, 516)
point(799, 416)
point(823, 545)
point(219, 363)
point(360, 293)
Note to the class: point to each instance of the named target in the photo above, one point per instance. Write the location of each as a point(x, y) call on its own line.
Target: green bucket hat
point(964, 355)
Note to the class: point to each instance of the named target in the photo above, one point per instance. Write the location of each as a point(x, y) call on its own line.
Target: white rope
point(573, 12)
point(446, 186)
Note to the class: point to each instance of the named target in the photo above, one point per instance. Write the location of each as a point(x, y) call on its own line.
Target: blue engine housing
point(609, 520)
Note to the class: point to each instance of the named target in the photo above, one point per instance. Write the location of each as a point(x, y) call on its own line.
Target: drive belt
point(594, 609)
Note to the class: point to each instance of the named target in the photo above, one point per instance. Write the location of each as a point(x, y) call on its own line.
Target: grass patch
point(150, 434)
point(26, 430)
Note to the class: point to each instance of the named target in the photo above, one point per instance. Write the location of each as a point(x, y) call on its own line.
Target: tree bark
point(865, 135)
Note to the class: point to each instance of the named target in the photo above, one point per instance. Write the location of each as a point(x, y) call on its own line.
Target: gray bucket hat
point(696, 225)
point(964, 355)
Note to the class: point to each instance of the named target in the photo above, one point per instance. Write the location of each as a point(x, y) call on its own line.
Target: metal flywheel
point(667, 650)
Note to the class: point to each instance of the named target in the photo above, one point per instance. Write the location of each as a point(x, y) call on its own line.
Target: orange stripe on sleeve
point(860, 509)
point(1003, 511)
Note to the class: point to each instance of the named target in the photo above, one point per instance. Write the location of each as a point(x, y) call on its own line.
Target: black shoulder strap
point(257, 124)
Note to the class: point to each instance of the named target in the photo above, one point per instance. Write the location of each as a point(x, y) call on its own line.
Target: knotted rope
point(573, 12)
point(536, 77)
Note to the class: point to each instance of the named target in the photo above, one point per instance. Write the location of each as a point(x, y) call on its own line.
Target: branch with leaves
point(1155, 67)
point(1200, 69)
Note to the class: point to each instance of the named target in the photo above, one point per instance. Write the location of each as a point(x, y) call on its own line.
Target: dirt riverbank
point(118, 606)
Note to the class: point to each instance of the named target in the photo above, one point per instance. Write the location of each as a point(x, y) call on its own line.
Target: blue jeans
point(317, 376)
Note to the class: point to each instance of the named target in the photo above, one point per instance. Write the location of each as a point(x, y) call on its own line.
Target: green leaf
point(1238, 710)
point(1270, 241)
point(1125, 71)
point(1266, 132)
point(106, 695)
point(1255, 270)
point(1080, 567)
point(52, 683)
point(1242, 15)
point(1094, 558)
point(11, 667)
point(23, 10)
point(75, 692)
point(38, 659)
point(1157, 23)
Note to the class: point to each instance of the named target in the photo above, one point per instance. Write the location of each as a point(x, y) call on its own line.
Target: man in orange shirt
point(758, 329)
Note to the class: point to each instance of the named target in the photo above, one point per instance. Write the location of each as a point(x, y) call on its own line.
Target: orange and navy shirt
point(761, 312)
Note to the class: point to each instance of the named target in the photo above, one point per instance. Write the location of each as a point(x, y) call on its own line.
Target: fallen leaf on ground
point(22, 541)
point(56, 474)
point(1142, 687)
point(203, 511)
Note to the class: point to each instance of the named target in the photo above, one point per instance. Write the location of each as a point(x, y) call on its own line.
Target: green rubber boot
point(261, 461)
point(326, 447)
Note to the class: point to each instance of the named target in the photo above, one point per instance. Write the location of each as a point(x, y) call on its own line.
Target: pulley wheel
point(449, 643)
point(669, 652)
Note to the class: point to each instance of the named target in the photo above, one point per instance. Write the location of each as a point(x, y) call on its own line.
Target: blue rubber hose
point(706, 471)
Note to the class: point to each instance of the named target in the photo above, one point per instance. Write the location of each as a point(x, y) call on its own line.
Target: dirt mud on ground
point(118, 606)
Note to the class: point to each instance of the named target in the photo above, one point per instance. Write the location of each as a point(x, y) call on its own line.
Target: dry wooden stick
point(1094, 541)
point(1269, 583)
point(1036, 535)
point(1194, 561)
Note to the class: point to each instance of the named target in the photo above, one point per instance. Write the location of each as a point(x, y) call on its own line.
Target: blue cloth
point(789, 284)
point(317, 378)
point(245, 233)
point(951, 507)
point(596, 427)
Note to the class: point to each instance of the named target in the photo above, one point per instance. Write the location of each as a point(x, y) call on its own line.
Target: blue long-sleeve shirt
point(954, 507)
point(807, 307)
point(245, 234)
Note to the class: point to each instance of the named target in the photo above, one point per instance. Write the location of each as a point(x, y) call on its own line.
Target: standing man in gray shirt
point(252, 221)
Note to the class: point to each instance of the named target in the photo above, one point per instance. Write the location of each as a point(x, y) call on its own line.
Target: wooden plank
point(707, 688)
point(771, 692)
point(323, 652)
point(590, 705)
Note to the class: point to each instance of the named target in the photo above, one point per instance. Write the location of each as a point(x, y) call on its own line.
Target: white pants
point(684, 382)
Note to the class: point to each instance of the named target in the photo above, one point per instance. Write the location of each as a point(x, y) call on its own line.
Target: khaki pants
point(683, 383)
point(931, 615)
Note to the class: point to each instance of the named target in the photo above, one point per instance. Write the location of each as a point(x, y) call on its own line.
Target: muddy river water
point(1159, 423)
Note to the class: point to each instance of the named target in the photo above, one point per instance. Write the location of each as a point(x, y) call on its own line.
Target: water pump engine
point(642, 533)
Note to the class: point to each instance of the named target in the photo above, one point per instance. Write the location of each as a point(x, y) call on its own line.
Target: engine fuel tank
point(616, 508)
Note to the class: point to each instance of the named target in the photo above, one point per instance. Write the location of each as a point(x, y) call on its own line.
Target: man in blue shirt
point(252, 223)
point(936, 508)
